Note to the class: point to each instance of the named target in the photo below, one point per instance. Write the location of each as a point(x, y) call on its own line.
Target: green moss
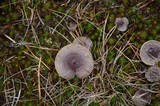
point(143, 35)
point(117, 100)
point(122, 11)
point(111, 55)
point(98, 16)
point(69, 93)
point(111, 41)
point(94, 104)
point(47, 17)
point(131, 90)
point(29, 104)
point(112, 18)
point(61, 9)
point(47, 5)
point(158, 27)
point(13, 16)
point(113, 101)
point(13, 1)
point(7, 20)
point(88, 27)
point(2, 69)
point(89, 86)
point(95, 36)
point(125, 1)
point(110, 26)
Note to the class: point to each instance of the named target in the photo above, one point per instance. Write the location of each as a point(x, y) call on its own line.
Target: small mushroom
point(85, 41)
point(150, 52)
point(122, 23)
point(141, 97)
point(74, 59)
point(153, 74)
point(72, 26)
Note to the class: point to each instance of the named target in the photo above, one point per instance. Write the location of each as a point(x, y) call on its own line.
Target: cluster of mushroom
point(150, 55)
point(75, 59)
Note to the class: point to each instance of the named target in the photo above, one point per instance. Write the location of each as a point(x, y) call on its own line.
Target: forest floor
point(33, 31)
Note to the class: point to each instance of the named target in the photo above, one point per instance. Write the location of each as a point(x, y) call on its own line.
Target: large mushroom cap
point(74, 59)
point(153, 74)
point(84, 41)
point(150, 52)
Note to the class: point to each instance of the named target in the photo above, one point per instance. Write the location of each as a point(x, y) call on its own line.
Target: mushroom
point(85, 41)
point(153, 74)
point(122, 23)
point(141, 97)
point(72, 26)
point(74, 59)
point(150, 52)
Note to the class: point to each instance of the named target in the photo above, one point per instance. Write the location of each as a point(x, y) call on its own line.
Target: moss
point(158, 27)
point(110, 26)
point(111, 41)
point(118, 99)
point(98, 16)
point(7, 20)
point(94, 104)
point(125, 1)
point(131, 90)
point(88, 27)
point(143, 35)
point(29, 104)
point(95, 36)
point(61, 9)
point(47, 5)
point(47, 17)
point(89, 86)
point(122, 11)
point(111, 55)
point(122, 60)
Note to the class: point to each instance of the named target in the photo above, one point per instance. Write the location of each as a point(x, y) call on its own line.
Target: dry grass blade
point(34, 56)
point(39, 80)
point(10, 38)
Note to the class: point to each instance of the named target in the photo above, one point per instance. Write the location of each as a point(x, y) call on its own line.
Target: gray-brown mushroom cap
point(150, 52)
point(83, 41)
point(141, 97)
point(153, 74)
point(74, 59)
point(122, 23)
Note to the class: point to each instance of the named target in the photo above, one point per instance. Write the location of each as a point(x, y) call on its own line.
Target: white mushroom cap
point(122, 23)
point(150, 52)
point(74, 59)
point(153, 74)
point(85, 41)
